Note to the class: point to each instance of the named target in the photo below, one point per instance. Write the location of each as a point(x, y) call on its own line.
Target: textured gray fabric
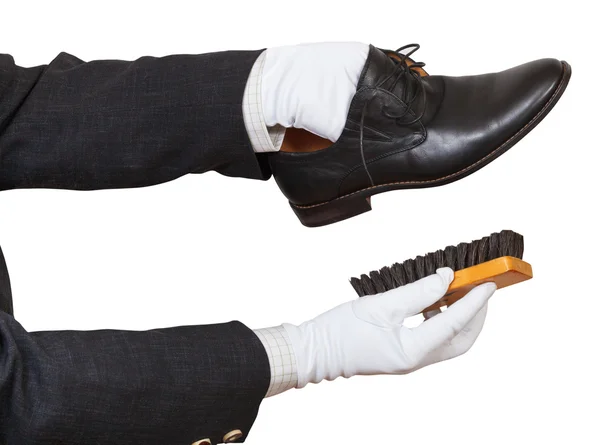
point(115, 124)
point(6, 301)
point(162, 387)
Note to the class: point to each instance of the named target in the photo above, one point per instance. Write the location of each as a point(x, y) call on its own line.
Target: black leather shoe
point(407, 129)
point(6, 302)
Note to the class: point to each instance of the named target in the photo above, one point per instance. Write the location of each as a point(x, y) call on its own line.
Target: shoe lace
point(402, 71)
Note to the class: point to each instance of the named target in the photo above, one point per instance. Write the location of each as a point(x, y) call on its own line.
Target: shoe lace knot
point(413, 83)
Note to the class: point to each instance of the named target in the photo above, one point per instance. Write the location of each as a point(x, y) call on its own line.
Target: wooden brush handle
point(503, 271)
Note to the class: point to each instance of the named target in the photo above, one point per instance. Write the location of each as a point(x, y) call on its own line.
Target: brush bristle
point(461, 256)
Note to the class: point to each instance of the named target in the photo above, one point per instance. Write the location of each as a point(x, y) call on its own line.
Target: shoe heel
point(332, 211)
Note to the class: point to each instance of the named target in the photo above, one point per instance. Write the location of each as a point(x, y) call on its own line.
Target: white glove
point(366, 336)
point(311, 86)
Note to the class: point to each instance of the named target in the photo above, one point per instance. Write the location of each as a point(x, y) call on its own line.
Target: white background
point(206, 248)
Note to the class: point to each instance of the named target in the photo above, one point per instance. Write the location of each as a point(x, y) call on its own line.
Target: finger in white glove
point(367, 336)
point(461, 343)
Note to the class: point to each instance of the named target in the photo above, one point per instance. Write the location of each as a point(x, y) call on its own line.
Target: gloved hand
point(311, 86)
point(367, 336)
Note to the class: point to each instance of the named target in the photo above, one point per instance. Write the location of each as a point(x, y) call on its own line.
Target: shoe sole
point(358, 202)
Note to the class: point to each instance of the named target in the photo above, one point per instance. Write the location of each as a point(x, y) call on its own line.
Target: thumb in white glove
point(367, 336)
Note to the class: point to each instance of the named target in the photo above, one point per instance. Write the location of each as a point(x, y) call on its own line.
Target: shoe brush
point(496, 258)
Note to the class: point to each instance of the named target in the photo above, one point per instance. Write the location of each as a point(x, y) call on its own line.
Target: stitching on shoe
point(422, 137)
point(416, 143)
point(526, 126)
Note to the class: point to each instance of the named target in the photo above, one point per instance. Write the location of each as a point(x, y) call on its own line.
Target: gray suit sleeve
point(115, 124)
point(161, 387)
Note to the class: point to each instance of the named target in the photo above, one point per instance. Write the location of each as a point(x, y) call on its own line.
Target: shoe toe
point(530, 87)
point(480, 117)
